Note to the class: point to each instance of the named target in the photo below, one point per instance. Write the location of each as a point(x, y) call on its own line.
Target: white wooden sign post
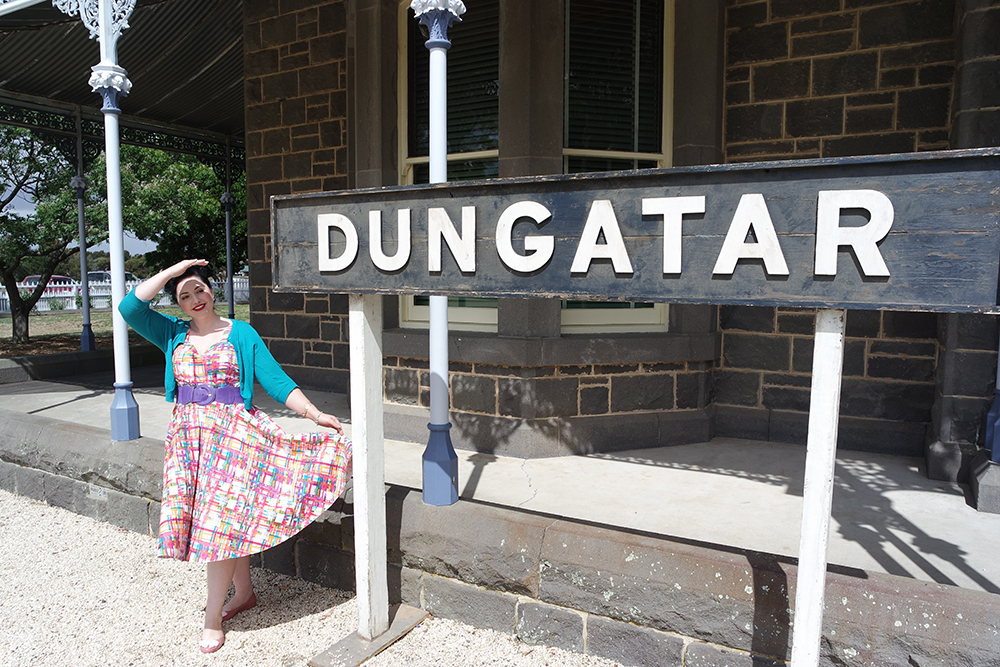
point(369, 464)
point(817, 491)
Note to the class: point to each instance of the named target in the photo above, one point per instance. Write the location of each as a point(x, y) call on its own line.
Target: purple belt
point(203, 394)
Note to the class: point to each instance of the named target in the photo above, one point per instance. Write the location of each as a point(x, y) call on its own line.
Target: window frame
point(594, 320)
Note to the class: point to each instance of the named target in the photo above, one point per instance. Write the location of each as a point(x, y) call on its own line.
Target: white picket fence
point(65, 297)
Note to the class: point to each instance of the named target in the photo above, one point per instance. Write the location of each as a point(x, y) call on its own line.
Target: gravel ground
point(80, 592)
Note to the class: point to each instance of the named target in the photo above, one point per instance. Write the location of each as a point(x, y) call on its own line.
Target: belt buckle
point(202, 394)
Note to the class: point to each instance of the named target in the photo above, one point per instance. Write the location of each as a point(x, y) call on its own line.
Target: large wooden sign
point(905, 232)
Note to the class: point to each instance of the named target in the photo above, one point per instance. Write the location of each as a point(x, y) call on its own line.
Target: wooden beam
point(817, 493)
point(365, 330)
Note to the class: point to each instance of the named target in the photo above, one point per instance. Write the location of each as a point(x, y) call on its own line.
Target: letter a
point(751, 213)
point(601, 219)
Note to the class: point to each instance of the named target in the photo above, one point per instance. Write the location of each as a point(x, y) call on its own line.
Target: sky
point(23, 206)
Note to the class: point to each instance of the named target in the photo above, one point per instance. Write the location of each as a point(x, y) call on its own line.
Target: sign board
point(903, 232)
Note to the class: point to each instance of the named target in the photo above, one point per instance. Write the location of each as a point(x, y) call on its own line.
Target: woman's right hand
point(148, 289)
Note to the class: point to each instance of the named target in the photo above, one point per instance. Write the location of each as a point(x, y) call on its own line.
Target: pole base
point(124, 413)
point(87, 339)
point(440, 467)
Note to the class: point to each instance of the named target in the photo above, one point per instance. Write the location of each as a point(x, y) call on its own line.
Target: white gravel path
point(75, 591)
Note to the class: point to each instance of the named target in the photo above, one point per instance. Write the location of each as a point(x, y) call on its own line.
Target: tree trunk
point(19, 319)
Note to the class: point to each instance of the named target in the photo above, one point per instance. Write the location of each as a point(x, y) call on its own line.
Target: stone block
point(269, 325)
point(545, 624)
point(881, 437)
point(814, 118)
point(845, 74)
point(470, 604)
point(758, 43)
point(280, 558)
point(923, 107)
point(969, 373)
point(474, 393)
point(30, 483)
point(868, 119)
point(785, 398)
point(651, 582)
point(737, 93)
point(405, 585)
point(919, 54)
point(754, 122)
point(901, 368)
point(630, 644)
point(766, 353)
point(693, 390)
point(738, 422)
point(984, 480)
point(631, 393)
point(863, 323)
point(8, 477)
point(871, 144)
point(286, 351)
point(783, 80)
point(481, 545)
point(820, 45)
point(899, 324)
point(906, 23)
point(128, 512)
point(746, 16)
point(896, 401)
point(796, 323)
point(854, 358)
point(788, 426)
point(905, 77)
point(746, 318)
point(325, 566)
point(302, 326)
point(706, 655)
point(783, 9)
point(401, 385)
point(594, 400)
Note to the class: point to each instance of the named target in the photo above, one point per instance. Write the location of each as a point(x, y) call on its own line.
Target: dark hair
point(196, 270)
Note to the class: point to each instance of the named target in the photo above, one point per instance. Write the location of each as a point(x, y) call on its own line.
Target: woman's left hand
point(331, 422)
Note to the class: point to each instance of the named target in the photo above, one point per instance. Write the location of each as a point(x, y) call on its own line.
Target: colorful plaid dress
point(234, 482)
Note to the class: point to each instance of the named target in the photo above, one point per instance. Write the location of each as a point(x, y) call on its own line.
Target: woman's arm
point(298, 402)
point(148, 289)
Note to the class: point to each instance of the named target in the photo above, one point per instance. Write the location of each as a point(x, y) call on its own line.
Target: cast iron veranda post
point(106, 19)
point(440, 463)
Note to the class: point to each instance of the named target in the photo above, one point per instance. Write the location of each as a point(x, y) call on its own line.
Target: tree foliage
point(175, 201)
point(31, 167)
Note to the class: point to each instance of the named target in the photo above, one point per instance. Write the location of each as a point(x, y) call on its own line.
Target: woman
point(234, 483)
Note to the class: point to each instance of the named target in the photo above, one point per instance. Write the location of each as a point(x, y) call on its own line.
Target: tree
point(174, 201)
point(32, 167)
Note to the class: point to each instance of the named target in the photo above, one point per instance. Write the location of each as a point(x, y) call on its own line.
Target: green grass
point(63, 322)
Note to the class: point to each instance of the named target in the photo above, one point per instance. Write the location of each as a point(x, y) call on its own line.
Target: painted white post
point(111, 82)
point(365, 328)
point(817, 493)
point(440, 463)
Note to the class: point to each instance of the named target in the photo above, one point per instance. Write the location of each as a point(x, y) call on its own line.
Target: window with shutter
point(616, 116)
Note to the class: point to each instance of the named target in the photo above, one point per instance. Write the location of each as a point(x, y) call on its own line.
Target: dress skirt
point(234, 482)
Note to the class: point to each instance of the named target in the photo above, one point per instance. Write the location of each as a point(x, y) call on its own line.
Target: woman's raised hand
point(183, 265)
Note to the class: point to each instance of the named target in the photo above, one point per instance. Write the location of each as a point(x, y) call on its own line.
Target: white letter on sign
point(672, 209)
point(751, 212)
point(601, 219)
point(326, 221)
point(402, 256)
point(463, 248)
point(830, 236)
point(538, 249)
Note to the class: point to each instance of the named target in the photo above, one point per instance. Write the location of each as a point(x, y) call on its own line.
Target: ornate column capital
point(438, 16)
point(111, 83)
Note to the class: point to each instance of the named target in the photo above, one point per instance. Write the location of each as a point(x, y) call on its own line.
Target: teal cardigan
point(166, 333)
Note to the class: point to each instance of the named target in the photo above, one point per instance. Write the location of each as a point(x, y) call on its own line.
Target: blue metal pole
point(993, 419)
point(440, 463)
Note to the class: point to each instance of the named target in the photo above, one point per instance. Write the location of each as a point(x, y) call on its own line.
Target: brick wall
point(830, 78)
point(296, 109)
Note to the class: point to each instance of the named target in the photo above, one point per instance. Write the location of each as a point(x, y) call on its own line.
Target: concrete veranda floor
point(887, 516)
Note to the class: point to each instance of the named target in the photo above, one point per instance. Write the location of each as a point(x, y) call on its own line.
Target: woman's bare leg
point(241, 579)
point(220, 575)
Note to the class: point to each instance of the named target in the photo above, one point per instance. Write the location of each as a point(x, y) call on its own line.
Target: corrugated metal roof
point(183, 57)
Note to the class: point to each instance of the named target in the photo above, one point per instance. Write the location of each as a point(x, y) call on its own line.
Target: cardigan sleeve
point(157, 328)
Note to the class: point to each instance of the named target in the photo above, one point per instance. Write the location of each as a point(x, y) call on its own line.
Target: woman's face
point(194, 297)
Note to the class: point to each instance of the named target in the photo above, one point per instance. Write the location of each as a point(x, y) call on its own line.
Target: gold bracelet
point(306, 411)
